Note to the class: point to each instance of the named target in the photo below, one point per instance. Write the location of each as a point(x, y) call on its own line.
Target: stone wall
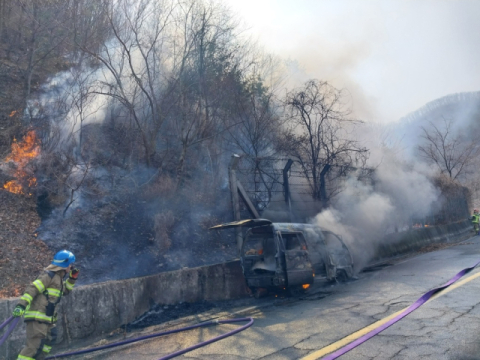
point(95, 309)
point(92, 310)
point(410, 241)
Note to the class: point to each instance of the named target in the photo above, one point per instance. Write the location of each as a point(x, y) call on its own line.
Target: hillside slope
point(22, 255)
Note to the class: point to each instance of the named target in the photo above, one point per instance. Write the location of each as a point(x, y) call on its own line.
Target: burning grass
point(22, 154)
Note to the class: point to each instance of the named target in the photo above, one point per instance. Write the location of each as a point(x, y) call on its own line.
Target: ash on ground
point(164, 313)
point(116, 238)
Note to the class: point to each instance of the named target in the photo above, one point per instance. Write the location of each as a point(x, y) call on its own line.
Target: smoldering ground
point(129, 232)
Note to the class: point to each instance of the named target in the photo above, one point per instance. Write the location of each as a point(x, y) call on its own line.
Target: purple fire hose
point(10, 328)
point(208, 323)
point(220, 337)
point(422, 300)
point(6, 322)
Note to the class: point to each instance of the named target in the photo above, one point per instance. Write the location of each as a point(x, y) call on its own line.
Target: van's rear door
point(297, 263)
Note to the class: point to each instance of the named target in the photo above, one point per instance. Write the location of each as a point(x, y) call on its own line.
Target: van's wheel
point(344, 275)
point(341, 275)
point(260, 292)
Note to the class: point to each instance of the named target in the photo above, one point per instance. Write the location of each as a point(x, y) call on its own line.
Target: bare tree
point(38, 35)
point(318, 136)
point(452, 154)
point(3, 4)
point(43, 25)
point(135, 63)
point(255, 136)
point(60, 119)
point(74, 184)
point(205, 71)
point(89, 25)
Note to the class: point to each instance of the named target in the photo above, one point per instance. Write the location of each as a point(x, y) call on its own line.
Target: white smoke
point(388, 54)
point(363, 213)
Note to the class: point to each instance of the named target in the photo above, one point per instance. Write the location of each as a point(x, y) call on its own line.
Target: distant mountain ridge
point(462, 108)
point(470, 99)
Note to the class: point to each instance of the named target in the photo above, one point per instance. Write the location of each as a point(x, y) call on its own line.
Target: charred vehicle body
point(290, 255)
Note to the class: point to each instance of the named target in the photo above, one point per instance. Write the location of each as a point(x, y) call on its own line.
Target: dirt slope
point(22, 255)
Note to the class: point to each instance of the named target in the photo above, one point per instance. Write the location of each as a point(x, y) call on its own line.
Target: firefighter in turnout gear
point(37, 305)
point(475, 219)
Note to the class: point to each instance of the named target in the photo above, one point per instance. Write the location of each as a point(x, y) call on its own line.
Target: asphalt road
point(447, 327)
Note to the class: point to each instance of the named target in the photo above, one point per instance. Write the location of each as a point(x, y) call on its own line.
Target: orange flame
point(305, 286)
point(13, 187)
point(22, 153)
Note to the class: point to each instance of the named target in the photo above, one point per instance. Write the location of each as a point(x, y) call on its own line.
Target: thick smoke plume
point(365, 212)
point(405, 188)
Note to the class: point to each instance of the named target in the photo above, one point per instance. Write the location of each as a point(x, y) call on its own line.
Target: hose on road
point(10, 328)
point(422, 300)
point(180, 352)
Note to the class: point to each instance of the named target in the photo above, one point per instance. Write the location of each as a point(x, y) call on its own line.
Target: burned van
point(290, 254)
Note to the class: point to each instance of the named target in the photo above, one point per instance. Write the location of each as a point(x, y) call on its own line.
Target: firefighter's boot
point(40, 336)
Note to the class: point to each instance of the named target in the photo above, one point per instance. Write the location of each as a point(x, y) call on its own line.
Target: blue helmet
point(63, 258)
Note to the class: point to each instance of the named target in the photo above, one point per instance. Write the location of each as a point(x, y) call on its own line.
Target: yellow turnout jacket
point(475, 218)
point(42, 295)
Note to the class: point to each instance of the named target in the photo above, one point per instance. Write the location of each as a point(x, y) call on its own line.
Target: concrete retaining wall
point(101, 308)
point(410, 241)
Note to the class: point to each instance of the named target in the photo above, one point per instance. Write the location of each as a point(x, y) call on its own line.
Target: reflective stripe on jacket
point(475, 218)
point(45, 291)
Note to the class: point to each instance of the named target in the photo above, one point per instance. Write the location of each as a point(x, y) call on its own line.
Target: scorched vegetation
point(118, 120)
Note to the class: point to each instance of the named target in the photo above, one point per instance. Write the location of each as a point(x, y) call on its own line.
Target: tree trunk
point(181, 164)
point(323, 191)
point(2, 17)
point(31, 56)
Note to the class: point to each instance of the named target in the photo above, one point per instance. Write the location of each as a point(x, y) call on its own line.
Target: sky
point(391, 56)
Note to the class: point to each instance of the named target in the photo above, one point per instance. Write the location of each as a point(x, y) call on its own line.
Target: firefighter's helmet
point(475, 211)
point(63, 258)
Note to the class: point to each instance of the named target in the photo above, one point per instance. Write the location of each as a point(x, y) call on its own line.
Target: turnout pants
point(475, 227)
point(40, 336)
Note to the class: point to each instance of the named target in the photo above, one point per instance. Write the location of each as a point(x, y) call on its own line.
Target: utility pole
point(323, 191)
point(232, 175)
point(286, 187)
